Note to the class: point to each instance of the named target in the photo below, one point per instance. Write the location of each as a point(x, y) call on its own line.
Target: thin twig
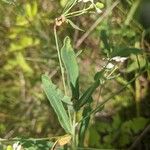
point(100, 19)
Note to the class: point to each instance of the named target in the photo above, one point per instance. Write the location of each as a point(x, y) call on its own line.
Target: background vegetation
point(27, 50)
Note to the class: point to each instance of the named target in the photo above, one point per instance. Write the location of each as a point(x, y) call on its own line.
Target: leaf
point(100, 76)
point(74, 25)
point(69, 59)
point(67, 100)
point(125, 52)
point(94, 137)
point(55, 97)
point(84, 124)
point(138, 124)
point(87, 95)
point(104, 38)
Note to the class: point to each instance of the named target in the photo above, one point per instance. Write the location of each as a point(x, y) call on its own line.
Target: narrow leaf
point(70, 62)
point(125, 52)
point(104, 38)
point(87, 94)
point(84, 124)
point(55, 97)
point(74, 25)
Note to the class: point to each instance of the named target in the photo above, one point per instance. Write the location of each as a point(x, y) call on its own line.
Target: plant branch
point(100, 19)
point(60, 62)
point(109, 98)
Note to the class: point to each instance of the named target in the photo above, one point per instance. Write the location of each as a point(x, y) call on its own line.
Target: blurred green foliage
point(27, 50)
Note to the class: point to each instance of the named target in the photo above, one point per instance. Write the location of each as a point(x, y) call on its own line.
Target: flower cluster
point(116, 59)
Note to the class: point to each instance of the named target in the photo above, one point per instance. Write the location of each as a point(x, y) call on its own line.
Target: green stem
point(75, 15)
point(60, 62)
point(78, 12)
point(70, 7)
point(132, 12)
point(30, 139)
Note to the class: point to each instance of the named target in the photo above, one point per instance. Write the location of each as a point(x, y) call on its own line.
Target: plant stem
point(78, 12)
point(137, 96)
point(70, 7)
point(60, 62)
point(74, 132)
point(132, 12)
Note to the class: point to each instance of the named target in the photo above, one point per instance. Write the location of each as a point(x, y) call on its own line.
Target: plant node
point(60, 20)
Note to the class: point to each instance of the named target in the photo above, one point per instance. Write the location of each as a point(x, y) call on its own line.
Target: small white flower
point(98, 10)
point(119, 59)
point(16, 146)
point(109, 66)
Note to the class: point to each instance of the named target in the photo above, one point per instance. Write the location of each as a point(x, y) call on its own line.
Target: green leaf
point(125, 52)
point(74, 25)
point(87, 95)
point(84, 124)
point(105, 41)
point(67, 100)
point(100, 76)
point(138, 124)
point(69, 59)
point(55, 97)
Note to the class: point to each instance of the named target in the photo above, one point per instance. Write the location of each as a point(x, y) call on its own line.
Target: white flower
point(119, 59)
point(16, 146)
point(98, 10)
point(109, 66)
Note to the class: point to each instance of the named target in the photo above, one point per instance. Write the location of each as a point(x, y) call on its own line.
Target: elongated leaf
point(74, 25)
point(55, 97)
point(69, 59)
point(125, 52)
point(84, 124)
point(105, 40)
point(87, 95)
